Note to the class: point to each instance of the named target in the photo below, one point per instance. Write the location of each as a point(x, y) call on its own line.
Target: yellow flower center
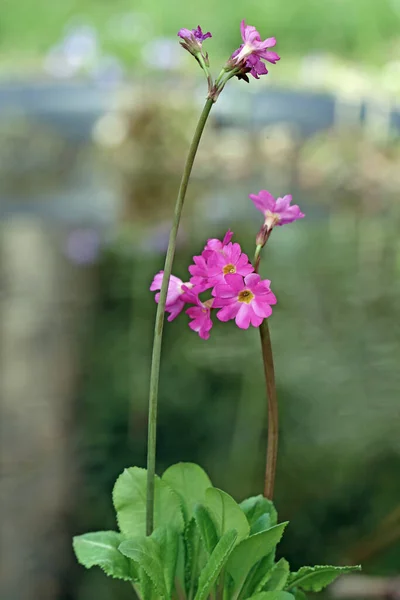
point(245, 296)
point(229, 269)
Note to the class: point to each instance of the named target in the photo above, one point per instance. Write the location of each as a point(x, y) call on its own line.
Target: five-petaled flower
point(230, 260)
point(249, 56)
point(276, 211)
point(247, 300)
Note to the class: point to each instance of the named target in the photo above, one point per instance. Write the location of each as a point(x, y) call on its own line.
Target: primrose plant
point(179, 537)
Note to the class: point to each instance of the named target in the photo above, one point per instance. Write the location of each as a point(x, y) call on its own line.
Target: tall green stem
point(158, 330)
point(273, 416)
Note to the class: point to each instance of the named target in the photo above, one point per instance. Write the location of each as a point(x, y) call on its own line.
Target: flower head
point(247, 300)
point(200, 314)
point(248, 56)
point(193, 39)
point(276, 211)
point(175, 295)
point(215, 245)
point(230, 260)
point(200, 270)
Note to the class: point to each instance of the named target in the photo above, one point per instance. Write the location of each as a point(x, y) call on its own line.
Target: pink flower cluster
point(236, 291)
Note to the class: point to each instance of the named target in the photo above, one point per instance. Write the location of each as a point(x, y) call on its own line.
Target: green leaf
point(101, 549)
point(272, 596)
point(263, 522)
point(168, 541)
point(315, 579)
point(256, 506)
point(251, 550)
point(145, 551)
point(129, 496)
point(258, 575)
point(299, 595)
point(279, 575)
point(206, 527)
point(193, 557)
point(146, 586)
point(215, 563)
point(226, 513)
point(190, 482)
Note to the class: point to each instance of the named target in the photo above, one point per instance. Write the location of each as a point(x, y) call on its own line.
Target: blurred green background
point(97, 106)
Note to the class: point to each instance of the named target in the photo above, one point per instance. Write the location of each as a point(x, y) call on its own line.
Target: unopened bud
point(262, 236)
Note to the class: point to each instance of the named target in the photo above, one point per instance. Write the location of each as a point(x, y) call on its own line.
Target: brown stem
point(273, 424)
point(269, 372)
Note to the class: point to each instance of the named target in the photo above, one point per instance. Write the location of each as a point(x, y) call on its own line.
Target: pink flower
point(276, 211)
point(247, 301)
point(200, 270)
point(215, 245)
point(230, 260)
point(193, 39)
point(248, 56)
point(201, 314)
point(175, 296)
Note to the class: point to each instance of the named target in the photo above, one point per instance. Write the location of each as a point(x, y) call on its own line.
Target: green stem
point(158, 330)
point(273, 415)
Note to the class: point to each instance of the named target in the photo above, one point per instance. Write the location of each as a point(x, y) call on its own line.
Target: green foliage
point(278, 576)
point(299, 595)
point(129, 496)
point(226, 513)
point(258, 507)
point(251, 550)
point(146, 552)
point(315, 579)
point(272, 596)
point(101, 549)
point(192, 557)
point(168, 540)
point(215, 563)
point(206, 528)
point(216, 549)
point(190, 482)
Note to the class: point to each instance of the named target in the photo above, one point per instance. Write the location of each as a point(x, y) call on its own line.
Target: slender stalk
point(273, 423)
point(273, 415)
point(158, 330)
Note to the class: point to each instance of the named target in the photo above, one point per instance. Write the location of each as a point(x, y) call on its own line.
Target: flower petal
point(235, 281)
point(228, 312)
point(243, 316)
point(263, 201)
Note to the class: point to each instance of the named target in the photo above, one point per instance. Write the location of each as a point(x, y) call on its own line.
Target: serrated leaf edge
point(200, 595)
point(293, 582)
point(104, 565)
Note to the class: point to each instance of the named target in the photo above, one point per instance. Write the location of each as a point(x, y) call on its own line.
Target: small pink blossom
point(276, 211)
point(215, 245)
point(200, 313)
point(193, 39)
point(248, 56)
point(247, 301)
point(230, 260)
point(200, 270)
point(175, 295)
